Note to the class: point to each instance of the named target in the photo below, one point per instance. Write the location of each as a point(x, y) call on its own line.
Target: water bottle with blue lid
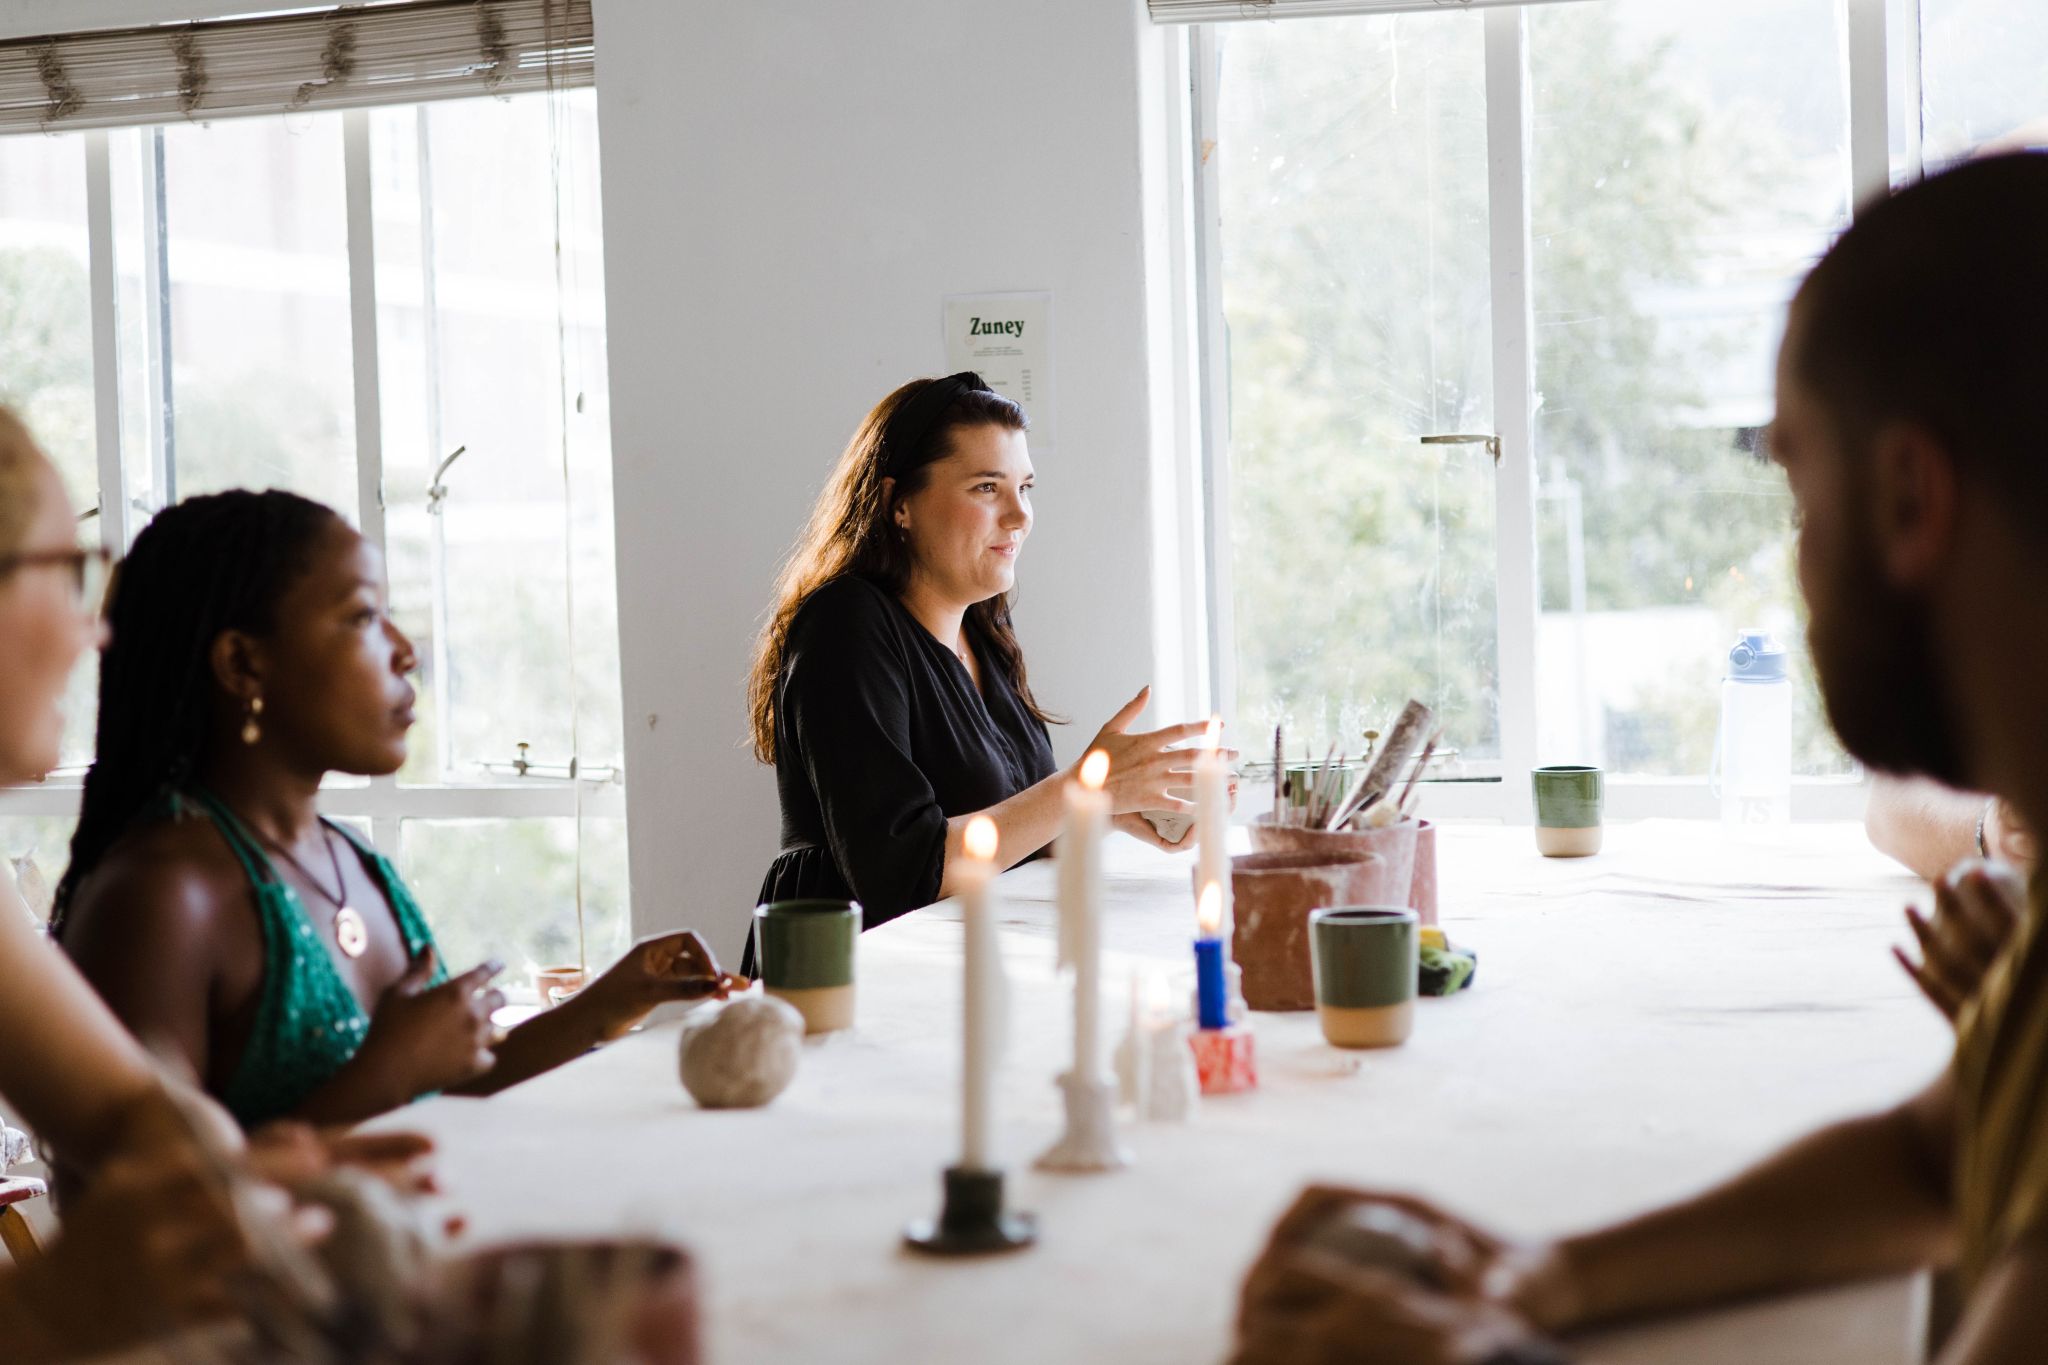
point(1754, 752)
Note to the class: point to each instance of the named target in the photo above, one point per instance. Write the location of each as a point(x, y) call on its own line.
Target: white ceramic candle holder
point(1173, 1088)
point(1090, 1142)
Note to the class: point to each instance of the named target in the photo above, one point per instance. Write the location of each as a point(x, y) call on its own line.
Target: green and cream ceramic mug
point(1366, 961)
point(804, 953)
point(1568, 807)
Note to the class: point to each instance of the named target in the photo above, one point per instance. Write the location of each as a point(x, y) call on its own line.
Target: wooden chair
point(15, 1232)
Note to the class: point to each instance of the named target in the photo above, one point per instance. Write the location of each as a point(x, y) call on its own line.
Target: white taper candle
point(1212, 822)
point(980, 993)
point(1080, 885)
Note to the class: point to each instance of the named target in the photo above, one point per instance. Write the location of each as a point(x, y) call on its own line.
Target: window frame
point(1865, 32)
point(383, 801)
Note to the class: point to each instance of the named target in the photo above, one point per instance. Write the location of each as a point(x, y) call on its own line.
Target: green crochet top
point(308, 1022)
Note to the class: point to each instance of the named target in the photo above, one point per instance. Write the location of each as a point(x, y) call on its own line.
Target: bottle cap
point(1757, 658)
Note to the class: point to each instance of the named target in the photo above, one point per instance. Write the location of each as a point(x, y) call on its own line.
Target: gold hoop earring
point(251, 731)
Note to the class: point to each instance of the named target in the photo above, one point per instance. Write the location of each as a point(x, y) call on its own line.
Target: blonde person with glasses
point(149, 1248)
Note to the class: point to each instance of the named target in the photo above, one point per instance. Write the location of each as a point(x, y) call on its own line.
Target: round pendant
point(351, 935)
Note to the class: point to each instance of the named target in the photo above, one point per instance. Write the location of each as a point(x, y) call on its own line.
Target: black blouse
point(880, 737)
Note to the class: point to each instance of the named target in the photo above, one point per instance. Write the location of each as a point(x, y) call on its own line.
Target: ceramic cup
point(1366, 963)
point(1296, 785)
point(804, 952)
point(556, 984)
point(1568, 801)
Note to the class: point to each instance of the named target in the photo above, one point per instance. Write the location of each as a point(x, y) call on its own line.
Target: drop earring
point(251, 731)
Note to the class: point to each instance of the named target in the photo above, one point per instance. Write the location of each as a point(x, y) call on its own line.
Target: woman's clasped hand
point(1468, 1298)
point(424, 1038)
point(1151, 770)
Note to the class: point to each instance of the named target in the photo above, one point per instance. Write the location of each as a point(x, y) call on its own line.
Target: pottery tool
point(1396, 749)
point(1354, 801)
point(1347, 805)
point(1279, 776)
point(1319, 789)
point(1415, 773)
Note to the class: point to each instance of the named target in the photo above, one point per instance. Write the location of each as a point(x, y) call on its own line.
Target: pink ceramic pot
point(1422, 890)
point(1273, 895)
point(1395, 843)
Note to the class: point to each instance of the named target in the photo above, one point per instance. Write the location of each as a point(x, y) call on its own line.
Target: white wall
point(790, 186)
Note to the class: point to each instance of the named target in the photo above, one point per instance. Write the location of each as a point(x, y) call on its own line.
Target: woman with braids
point(219, 915)
point(888, 687)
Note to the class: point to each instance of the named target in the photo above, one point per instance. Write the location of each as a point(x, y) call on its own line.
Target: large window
point(1983, 78)
point(1678, 201)
point(1501, 289)
point(1352, 166)
point(245, 254)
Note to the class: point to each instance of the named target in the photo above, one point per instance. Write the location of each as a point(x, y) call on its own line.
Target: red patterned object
point(1225, 1060)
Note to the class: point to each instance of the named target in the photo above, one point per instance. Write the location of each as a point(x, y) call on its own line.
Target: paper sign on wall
point(1007, 340)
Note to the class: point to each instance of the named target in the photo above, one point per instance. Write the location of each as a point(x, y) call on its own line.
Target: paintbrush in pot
point(1322, 782)
point(1415, 775)
point(1279, 778)
point(1345, 806)
point(1402, 739)
point(1356, 804)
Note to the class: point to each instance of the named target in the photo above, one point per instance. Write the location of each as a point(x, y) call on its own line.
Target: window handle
point(437, 491)
point(1492, 443)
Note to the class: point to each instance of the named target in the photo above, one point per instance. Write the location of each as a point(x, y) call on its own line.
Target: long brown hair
point(849, 533)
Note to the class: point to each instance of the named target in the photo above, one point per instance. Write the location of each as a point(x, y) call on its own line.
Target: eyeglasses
point(89, 571)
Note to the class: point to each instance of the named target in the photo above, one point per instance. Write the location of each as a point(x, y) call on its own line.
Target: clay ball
point(743, 1054)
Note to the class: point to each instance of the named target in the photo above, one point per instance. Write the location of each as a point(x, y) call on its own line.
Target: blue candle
point(1211, 1011)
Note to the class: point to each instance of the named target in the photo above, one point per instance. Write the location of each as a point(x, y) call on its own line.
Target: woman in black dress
point(888, 688)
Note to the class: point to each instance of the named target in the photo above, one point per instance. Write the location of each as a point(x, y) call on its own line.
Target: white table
point(1643, 1022)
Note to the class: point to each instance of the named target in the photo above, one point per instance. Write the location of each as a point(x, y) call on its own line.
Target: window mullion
point(1514, 398)
point(1908, 89)
point(106, 342)
point(156, 311)
point(362, 301)
point(1870, 162)
point(1212, 354)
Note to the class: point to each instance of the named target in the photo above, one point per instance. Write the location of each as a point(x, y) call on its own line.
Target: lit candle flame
point(981, 838)
point(1209, 914)
point(1095, 770)
point(1213, 740)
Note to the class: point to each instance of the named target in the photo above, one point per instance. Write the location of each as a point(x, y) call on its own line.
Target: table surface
point(1644, 1022)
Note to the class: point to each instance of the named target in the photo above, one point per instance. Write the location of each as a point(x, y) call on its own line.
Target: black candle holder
point(972, 1222)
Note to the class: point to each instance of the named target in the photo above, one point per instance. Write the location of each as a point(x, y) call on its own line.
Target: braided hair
point(210, 564)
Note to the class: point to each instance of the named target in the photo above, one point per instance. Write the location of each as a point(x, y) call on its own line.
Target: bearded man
point(1912, 424)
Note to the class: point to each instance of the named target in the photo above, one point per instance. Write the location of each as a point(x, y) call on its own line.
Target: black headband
point(911, 423)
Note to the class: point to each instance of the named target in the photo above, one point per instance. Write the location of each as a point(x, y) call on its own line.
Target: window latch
point(1492, 443)
point(523, 764)
point(437, 492)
